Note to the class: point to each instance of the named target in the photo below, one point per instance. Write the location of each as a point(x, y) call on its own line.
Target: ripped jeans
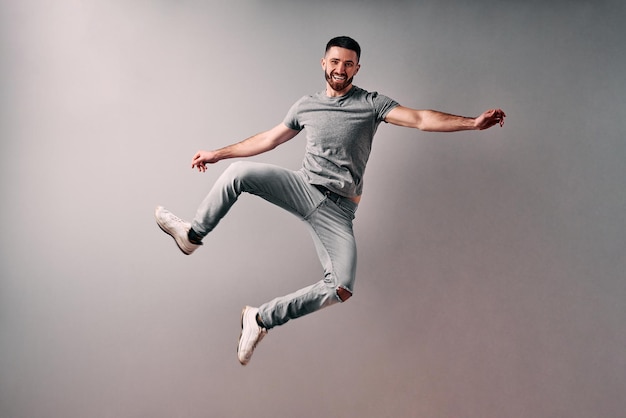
point(329, 221)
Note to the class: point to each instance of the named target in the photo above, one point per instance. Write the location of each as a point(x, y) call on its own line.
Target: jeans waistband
point(335, 197)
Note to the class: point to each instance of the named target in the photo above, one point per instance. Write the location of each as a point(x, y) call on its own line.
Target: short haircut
point(347, 43)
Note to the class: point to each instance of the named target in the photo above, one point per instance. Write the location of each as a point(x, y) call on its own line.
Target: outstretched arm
point(435, 121)
point(255, 145)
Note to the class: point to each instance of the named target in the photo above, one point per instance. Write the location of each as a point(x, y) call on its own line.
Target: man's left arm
point(435, 121)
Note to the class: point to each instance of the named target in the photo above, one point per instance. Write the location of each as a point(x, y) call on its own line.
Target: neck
point(330, 92)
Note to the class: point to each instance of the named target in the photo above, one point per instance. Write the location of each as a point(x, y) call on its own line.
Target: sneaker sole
point(175, 240)
point(180, 246)
point(263, 332)
point(243, 312)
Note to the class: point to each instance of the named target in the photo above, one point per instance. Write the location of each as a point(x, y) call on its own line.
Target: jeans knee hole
point(343, 294)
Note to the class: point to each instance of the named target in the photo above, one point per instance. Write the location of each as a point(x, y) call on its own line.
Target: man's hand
point(202, 158)
point(489, 118)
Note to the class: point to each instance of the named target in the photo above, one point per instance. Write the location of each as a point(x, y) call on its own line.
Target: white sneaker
point(251, 334)
point(176, 228)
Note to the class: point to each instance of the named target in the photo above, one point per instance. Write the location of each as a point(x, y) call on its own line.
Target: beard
point(337, 85)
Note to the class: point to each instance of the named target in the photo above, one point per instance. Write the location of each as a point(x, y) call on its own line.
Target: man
point(340, 123)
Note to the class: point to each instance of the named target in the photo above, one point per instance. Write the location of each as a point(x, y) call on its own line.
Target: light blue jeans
point(329, 221)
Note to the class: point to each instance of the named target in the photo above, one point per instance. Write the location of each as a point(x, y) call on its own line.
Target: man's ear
point(323, 62)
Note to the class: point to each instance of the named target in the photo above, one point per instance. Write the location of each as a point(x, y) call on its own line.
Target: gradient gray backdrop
point(491, 275)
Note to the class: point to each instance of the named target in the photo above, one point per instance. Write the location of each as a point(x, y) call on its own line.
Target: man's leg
point(282, 187)
point(331, 229)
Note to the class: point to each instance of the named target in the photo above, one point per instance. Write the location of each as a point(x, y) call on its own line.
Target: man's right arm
point(255, 145)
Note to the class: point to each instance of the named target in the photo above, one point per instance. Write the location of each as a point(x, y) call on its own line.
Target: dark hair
point(345, 42)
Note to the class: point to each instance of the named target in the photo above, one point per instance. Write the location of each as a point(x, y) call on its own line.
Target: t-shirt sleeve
point(383, 105)
point(291, 120)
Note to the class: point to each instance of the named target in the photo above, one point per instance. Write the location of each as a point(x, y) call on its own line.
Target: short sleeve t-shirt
point(340, 131)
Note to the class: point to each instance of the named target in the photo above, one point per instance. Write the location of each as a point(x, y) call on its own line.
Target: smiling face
point(340, 66)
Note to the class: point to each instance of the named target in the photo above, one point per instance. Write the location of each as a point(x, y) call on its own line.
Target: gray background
point(491, 264)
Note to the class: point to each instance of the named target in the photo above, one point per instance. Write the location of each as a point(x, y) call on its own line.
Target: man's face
point(340, 66)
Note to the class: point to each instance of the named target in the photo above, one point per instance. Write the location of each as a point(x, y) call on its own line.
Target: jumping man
point(340, 122)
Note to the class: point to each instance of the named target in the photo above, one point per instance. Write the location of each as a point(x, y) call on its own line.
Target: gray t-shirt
point(339, 132)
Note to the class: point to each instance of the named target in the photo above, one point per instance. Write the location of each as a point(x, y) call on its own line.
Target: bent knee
point(237, 168)
point(237, 173)
point(343, 294)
